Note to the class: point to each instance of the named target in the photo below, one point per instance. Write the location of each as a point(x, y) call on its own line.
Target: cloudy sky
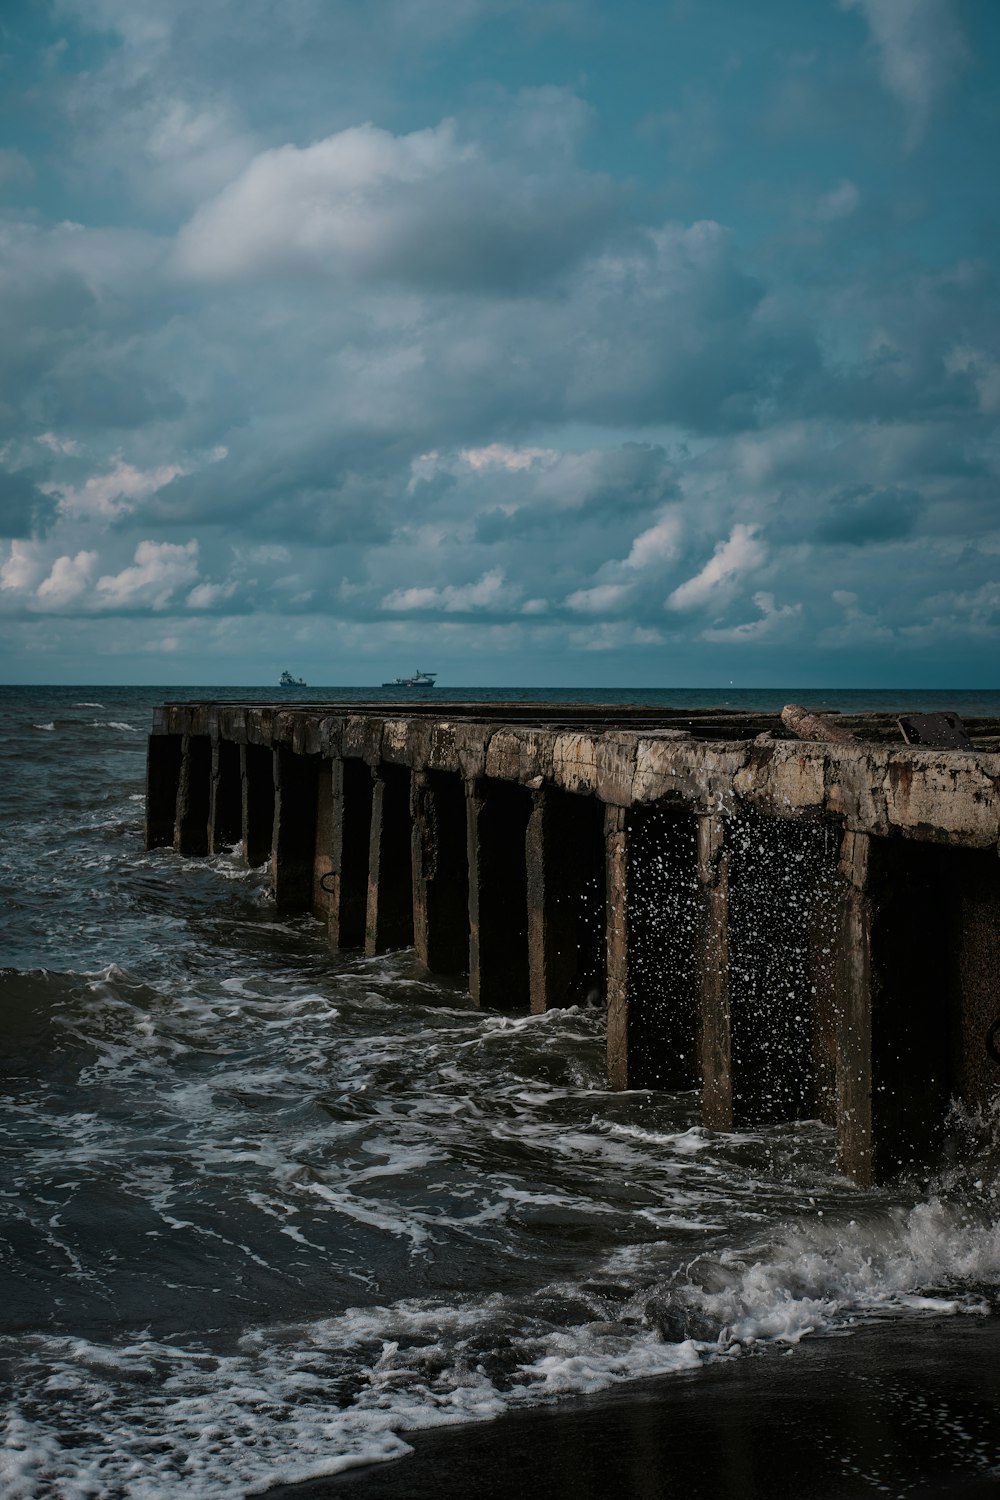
point(542, 342)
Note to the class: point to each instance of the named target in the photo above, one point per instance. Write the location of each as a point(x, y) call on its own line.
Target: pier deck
point(798, 929)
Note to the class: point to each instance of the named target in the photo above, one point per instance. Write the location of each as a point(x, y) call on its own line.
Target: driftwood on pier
point(806, 726)
point(795, 927)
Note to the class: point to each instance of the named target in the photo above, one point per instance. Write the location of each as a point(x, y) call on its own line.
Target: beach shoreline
point(897, 1408)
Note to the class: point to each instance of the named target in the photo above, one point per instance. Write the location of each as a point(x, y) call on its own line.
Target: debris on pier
point(806, 726)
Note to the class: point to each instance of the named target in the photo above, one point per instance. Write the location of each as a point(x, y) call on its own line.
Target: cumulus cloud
point(115, 491)
point(159, 571)
point(615, 635)
point(68, 581)
point(194, 148)
point(210, 595)
point(624, 579)
point(489, 593)
point(21, 568)
point(657, 544)
point(503, 456)
point(921, 52)
point(325, 204)
point(740, 553)
point(429, 208)
point(435, 378)
point(599, 599)
point(769, 624)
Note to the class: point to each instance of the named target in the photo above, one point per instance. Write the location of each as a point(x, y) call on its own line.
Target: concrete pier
point(257, 797)
point(566, 898)
point(389, 912)
point(293, 831)
point(194, 795)
point(796, 928)
point(225, 811)
point(499, 812)
point(440, 871)
point(351, 800)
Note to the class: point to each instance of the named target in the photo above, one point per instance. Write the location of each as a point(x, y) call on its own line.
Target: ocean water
point(267, 1211)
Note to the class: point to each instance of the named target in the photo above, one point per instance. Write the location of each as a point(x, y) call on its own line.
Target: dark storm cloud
point(867, 515)
point(349, 390)
point(76, 309)
point(615, 488)
point(39, 324)
point(25, 510)
point(280, 497)
point(89, 392)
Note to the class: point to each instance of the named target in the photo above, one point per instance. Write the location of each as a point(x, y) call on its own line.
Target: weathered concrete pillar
point(768, 914)
point(293, 845)
point(821, 947)
point(257, 777)
point(163, 776)
point(895, 1066)
point(193, 795)
point(350, 840)
point(616, 838)
point(389, 920)
point(497, 821)
point(225, 813)
point(974, 879)
point(323, 843)
point(713, 974)
point(440, 873)
point(566, 899)
point(652, 907)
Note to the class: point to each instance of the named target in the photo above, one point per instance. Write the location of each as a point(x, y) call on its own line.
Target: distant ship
point(287, 680)
point(419, 679)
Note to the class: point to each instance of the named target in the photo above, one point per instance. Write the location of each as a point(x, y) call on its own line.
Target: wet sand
point(897, 1409)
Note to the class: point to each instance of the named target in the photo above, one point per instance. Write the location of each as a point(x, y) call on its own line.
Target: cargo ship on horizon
point(419, 679)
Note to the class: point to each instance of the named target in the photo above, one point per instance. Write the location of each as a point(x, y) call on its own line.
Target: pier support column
point(768, 919)
point(652, 1011)
point(713, 975)
point(975, 967)
point(497, 821)
point(564, 848)
point(323, 842)
point(351, 791)
point(163, 776)
point(440, 873)
point(894, 1062)
point(225, 813)
point(293, 846)
point(193, 795)
point(616, 840)
point(389, 921)
point(257, 777)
